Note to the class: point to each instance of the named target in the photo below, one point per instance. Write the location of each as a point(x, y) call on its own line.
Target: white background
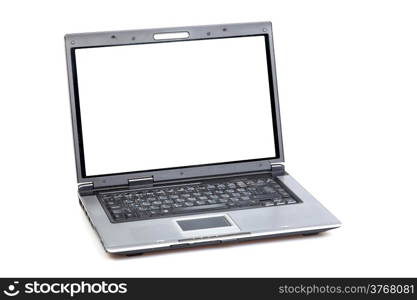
point(176, 104)
point(347, 80)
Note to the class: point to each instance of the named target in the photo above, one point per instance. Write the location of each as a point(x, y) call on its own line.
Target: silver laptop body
point(163, 58)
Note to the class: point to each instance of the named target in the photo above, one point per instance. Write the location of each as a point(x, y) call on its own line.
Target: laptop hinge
point(277, 169)
point(86, 188)
point(141, 181)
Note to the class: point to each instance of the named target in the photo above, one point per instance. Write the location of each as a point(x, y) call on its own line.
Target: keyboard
point(199, 197)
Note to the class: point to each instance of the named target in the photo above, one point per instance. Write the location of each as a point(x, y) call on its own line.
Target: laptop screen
point(174, 104)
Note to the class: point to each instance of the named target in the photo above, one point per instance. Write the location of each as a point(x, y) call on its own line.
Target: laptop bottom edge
point(216, 241)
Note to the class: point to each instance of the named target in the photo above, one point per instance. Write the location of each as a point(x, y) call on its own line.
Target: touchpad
point(203, 223)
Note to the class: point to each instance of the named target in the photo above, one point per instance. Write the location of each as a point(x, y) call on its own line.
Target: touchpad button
point(203, 223)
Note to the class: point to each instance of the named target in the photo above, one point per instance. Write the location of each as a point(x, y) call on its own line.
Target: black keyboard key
point(241, 184)
point(267, 203)
point(243, 203)
point(198, 208)
point(130, 215)
point(268, 189)
point(118, 216)
point(264, 197)
point(253, 203)
point(279, 201)
point(112, 207)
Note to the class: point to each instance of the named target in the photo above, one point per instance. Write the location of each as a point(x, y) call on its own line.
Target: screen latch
point(142, 181)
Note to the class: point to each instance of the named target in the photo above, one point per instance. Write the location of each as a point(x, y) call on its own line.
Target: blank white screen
point(164, 105)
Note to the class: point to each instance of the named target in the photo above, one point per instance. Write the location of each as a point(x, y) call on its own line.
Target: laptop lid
point(173, 103)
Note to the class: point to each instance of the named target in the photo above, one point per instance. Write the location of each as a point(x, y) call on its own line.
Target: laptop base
point(308, 233)
point(127, 238)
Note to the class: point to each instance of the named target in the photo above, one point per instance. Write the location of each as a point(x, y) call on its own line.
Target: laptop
point(178, 139)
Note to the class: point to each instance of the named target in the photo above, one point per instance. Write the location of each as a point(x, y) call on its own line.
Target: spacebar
point(198, 208)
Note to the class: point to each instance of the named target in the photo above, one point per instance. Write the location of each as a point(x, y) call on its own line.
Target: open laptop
point(178, 139)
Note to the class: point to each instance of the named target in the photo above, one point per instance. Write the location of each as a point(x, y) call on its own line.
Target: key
point(279, 202)
point(243, 203)
point(241, 184)
point(264, 197)
point(118, 216)
point(269, 189)
point(154, 212)
point(199, 208)
point(112, 207)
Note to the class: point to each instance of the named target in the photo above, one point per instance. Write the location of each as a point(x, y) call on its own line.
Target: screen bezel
point(124, 38)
